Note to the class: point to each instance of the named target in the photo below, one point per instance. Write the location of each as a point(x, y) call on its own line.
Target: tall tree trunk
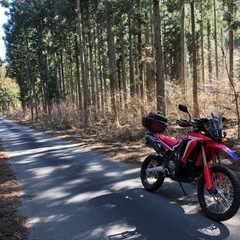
point(100, 71)
point(69, 83)
point(194, 56)
point(78, 78)
point(201, 44)
point(215, 39)
point(161, 107)
point(209, 51)
point(136, 65)
point(92, 76)
point(111, 59)
point(140, 62)
point(123, 63)
point(230, 10)
point(30, 87)
point(83, 66)
point(62, 74)
point(131, 65)
point(183, 52)
point(150, 75)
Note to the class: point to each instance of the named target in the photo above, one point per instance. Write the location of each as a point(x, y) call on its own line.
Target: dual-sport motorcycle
point(194, 158)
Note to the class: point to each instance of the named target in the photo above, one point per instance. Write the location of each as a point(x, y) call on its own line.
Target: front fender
point(224, 148)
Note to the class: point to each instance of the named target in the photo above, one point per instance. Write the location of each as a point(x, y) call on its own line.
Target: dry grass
point(102, 133)
point(12, 226)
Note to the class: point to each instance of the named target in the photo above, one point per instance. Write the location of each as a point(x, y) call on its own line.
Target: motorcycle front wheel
point(151, 180)
point(222, 202)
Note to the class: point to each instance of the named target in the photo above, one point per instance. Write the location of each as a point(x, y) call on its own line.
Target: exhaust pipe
point(153, 142)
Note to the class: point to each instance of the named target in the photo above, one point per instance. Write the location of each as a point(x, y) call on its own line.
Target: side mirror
point(182, 108)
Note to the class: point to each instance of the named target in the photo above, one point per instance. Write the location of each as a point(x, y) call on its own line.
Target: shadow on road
point(69, 192)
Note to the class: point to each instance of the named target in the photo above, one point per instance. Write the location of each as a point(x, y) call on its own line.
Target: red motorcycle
point(194, 158)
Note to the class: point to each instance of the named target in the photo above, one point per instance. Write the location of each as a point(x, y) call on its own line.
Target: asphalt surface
point(71, 193)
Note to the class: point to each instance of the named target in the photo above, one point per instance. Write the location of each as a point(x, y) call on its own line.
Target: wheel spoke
point(151, 177)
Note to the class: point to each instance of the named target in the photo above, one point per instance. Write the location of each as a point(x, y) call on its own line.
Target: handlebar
point(197, 123)
point(212, 126)
point(184, 123)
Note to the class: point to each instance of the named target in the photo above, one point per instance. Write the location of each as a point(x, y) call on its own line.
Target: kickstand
point(182, 188)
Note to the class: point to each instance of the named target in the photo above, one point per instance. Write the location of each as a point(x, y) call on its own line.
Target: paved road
point(70, 193)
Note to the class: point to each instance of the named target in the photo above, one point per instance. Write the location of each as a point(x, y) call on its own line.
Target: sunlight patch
point(83, 197)
point(54, 193)
point(56, 218)
point(44, 171)
point(113, 174)
point(94, 167)
point(52, 218)
point(190, 209)
point(122, 231)
point(210, 231)
point(131, 171)
point(126, 184)
point(33, 221)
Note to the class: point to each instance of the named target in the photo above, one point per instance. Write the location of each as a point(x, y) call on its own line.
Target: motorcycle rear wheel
point(223, 203)
point(151, 181)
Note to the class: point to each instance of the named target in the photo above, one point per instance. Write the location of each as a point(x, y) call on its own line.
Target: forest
point(77, 62)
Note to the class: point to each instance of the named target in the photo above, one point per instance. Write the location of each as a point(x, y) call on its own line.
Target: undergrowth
point(66, 115)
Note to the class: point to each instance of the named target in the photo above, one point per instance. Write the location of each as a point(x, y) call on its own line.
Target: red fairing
point(222, 147)
point(198, 137)
point(167, 142)
point(189, 148)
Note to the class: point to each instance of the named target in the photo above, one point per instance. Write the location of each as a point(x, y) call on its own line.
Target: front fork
point(206, 172)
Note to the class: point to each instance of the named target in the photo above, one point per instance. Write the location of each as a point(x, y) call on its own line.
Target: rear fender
point(222, 147)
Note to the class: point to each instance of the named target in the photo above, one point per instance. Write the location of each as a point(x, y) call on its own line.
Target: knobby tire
point(158, 178)
point(235, 199)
